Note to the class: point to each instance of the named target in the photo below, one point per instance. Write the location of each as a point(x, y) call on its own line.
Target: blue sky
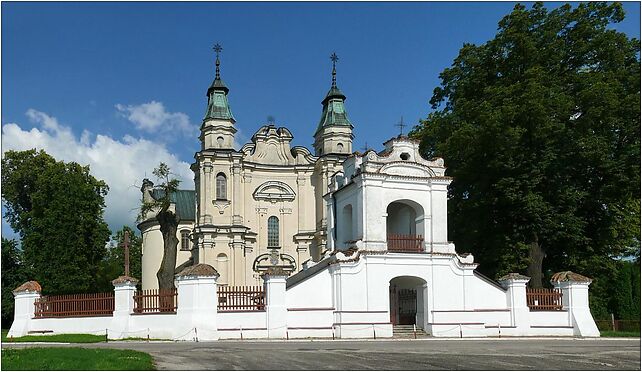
point(121, 86)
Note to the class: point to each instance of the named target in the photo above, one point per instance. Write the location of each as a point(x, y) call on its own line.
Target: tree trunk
point(168, 226)
point(536, 258)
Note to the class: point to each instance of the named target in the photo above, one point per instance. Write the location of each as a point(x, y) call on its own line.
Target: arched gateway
point(407, 300)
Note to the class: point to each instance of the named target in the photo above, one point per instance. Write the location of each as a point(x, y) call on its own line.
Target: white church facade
point(264, 196)
point(341, 244)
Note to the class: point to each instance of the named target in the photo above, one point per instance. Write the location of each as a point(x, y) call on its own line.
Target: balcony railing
point(405, 243)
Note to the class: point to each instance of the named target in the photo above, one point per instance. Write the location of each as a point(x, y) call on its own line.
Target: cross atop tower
point(218, 49)
point(365, 147)
point(334, 58)
point(401, 125)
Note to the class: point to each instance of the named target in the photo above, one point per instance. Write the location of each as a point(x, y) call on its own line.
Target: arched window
point(221, 187)
point(221, 267)
point(273, 232)
point(185, 242)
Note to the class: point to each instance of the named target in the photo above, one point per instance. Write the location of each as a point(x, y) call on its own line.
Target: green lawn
point(72, 338)
point(74, 359)
point(619, 334)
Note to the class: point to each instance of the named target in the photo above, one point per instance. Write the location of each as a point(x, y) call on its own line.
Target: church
point(277, 242)
point(263, 197)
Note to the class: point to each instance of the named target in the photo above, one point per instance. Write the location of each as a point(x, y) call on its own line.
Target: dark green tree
point(540, 128)
point(158, 207)
point(57, 209)
point(14, 273)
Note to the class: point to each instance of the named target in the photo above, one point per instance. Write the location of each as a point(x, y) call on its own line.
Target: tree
point(114, 263)
point(540, 128)
point(57, 209)
point(159, 206)
point(14, 273)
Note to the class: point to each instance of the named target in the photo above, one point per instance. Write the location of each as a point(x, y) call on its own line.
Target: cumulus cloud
point(152, 117)
point(121, 163)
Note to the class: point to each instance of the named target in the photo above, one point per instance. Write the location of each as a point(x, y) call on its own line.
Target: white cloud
point(152, 117)
point(121, 163)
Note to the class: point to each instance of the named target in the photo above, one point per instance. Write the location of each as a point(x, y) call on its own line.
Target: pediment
point(407, 169)
point(274, 191)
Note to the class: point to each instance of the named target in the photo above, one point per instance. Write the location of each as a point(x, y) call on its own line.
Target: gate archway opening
point(408, 295)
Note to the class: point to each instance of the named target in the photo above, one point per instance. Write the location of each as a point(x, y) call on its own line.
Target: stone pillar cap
point(276, 271)
point(514, 276)
point(569, 276)
point(199, 270)
point(124, 279)
point(30, 286)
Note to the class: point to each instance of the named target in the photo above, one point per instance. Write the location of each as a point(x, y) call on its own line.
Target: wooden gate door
point(407, 299)
point(394, 304)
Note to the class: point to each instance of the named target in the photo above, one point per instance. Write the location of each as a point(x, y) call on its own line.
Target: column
point(574, 288)
point(277, 313)
point(197, 303)
point(515, 285)
point(124, 290)
point(24, 308)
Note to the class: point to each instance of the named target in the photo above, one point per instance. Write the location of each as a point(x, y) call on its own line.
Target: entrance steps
point(406, 331)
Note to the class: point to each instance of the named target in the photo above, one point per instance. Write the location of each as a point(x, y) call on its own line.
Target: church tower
point(334, 132)
point(217, 130)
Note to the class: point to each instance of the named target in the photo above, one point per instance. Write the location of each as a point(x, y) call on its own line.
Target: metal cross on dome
point(217, 48)
point(334, 57)
point(400, 125)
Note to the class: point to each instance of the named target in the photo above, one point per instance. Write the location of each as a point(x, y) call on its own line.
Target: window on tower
point(221, 187)
point(185, 242)
point(273, 232)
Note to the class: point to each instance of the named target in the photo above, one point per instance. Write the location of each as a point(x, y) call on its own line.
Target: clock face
point(337, 107)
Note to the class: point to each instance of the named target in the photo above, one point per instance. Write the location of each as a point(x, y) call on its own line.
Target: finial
point(334, 59)
point(270, 119)
point(400, 125)
point(365, 147)
point(218, 49)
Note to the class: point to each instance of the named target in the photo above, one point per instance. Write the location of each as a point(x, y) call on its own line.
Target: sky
point(121, 86)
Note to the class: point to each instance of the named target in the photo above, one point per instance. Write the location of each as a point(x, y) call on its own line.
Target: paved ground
point(428, 354)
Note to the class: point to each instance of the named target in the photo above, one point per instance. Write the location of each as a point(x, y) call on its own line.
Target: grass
point(72, 338)
point(619, 334)
point(75, 359)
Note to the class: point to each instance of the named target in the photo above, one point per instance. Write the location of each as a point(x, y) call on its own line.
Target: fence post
point(124, 290)
point(515, 285)
point(197, 302)
point(277, 313)
point(24, 308)
point(613, 322)
point(574, 288)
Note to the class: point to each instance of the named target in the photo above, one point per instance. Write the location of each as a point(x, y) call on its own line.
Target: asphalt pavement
point(425, 354)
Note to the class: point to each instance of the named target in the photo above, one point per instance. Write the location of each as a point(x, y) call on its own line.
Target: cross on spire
point(270, 119)
point(366, 147)
point(334, 59)
point(400, 125)
point(218, 49)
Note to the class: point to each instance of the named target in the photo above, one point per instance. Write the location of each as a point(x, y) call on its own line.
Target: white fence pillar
point(24, 308)
point(277, 313)
point(197, 304)
point(574, 288)
point(515, 285)
point(124, 290)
